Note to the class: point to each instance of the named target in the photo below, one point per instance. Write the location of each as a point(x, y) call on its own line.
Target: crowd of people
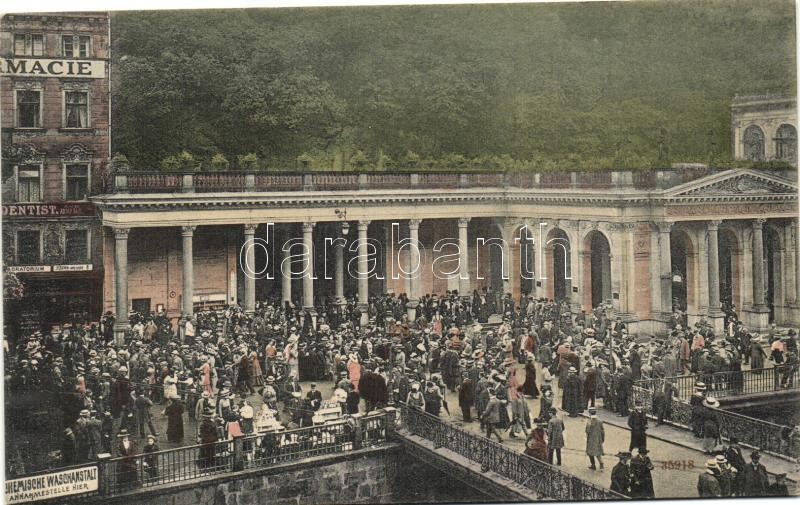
point(218, 366)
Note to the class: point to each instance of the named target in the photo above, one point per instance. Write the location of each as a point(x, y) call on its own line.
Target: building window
point(753, 140)
point(76, 246)
point(28, 44)
point(28, 247)
point(75, 46)
point(141, 305)
point(29, 108)
point(76, 109)
point(786, 143)
point(29, 187)
point(77, 181)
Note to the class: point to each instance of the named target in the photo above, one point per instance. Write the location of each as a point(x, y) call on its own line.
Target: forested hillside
point(596, 85)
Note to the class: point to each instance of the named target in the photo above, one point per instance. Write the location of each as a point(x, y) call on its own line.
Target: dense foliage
point(580, 85)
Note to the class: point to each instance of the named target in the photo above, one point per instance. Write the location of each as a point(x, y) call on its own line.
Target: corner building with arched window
point(765, 128)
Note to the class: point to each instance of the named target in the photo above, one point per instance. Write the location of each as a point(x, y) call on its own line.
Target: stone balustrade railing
point(239, 181)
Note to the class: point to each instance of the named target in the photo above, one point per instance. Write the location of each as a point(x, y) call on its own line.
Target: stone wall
point(359, 477)
point(376, 475)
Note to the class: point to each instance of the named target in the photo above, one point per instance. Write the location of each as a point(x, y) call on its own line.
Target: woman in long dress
point(256, 374)
point(174, 413)
point(354, 371)
point(757, 354)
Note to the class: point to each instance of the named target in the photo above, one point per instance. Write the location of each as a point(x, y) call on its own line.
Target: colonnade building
point(644, 241)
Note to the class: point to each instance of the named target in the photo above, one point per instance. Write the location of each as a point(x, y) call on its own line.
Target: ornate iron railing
point(546, 480)
point(259, 450)
point(779, 440)
point(723, 384)
point(252, 451)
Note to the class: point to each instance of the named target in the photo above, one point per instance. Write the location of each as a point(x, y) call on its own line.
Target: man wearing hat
point(637, 422)
point(733, 454)
point(754, 477)
point(573, 399)
point(555, 437)
point(491, 415)
point(595, 437)
point(698, 410)
point(466, 397)
point(711, 435)
point(707, 483)
point(126, 449)
point(621, 474)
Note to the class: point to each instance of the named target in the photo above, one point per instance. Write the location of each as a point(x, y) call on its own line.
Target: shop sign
point(52, 485)
point(42, 67)
point(36, 210)
point(72, 268)
point(28, 269)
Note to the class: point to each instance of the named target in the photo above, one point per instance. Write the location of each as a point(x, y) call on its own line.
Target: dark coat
point(754, 480)
point(492, 412)
point(708, 486)
point(637, 422)
point(621, 479)
point(642, 479)
point(573, 401)
point(466, 393)
point(174, 413)
point(120, 396)
point(595, 436)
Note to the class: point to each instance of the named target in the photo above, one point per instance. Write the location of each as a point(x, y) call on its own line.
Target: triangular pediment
point(737, 182)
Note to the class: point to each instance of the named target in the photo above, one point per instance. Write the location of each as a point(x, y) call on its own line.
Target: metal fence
point(779, 440)
point(260, 450)
point(723, 384)
point(546, 480)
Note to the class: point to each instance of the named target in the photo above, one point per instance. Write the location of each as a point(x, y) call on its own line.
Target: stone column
point(797, 262)
point(286, 275)
point(463, 261)
point(249, 268)
point(187, 307)
point(665, 269)
point(363, 279)
point(715, 315)
point(121, 280)
point(759, 302)
point(413, 259)
point(713, 268)
point(338, 252)
point(308, 273)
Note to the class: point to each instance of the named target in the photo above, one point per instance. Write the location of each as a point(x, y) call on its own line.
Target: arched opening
point(772, 269)
point(753, 140)
point(786, 143)
point(558, 260)
point(597, 268)
point(682, 255)
point(729, 260)
point(527, 260)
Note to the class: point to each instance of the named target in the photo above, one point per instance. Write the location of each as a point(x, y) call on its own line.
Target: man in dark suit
point(754, 477)
point(491, 416)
